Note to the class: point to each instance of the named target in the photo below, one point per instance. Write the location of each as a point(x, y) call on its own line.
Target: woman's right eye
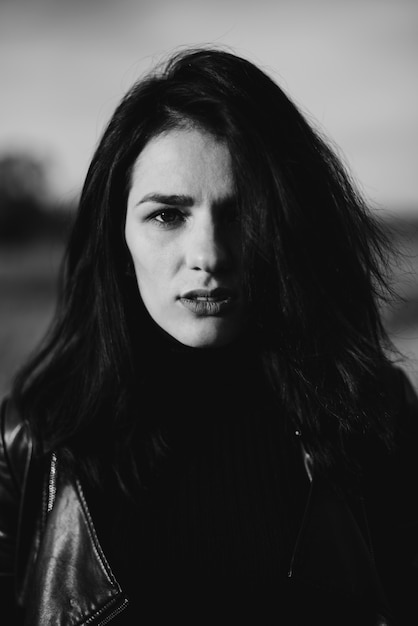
point(168, 217)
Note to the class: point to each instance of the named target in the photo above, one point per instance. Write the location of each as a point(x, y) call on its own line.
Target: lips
point(209, 302)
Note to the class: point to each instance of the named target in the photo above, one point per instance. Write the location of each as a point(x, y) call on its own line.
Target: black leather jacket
point(50, 550)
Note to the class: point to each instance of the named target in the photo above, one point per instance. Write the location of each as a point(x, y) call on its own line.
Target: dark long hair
point(314, 265)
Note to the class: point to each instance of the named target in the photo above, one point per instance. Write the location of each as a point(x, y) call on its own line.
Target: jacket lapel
point(71, 581)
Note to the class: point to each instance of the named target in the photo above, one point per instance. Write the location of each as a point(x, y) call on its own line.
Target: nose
point(207, 248)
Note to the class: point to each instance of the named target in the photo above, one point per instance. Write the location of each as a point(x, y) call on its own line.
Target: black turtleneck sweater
point(215, 526)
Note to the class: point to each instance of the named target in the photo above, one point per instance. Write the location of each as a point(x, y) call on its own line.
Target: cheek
point(154, 268)
point(141, 249)
point(155, 258)
point(147, 269)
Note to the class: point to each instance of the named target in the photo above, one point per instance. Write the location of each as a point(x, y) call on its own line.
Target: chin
point(207, 338)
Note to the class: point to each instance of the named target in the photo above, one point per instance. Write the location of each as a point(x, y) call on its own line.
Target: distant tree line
point(27, 208)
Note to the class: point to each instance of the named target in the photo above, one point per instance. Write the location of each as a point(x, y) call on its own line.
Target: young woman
point(213, 428)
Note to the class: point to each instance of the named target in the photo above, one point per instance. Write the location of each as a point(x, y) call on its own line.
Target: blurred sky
point(351, 66)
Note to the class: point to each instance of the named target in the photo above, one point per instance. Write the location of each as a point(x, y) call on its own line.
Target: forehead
point(188, 160)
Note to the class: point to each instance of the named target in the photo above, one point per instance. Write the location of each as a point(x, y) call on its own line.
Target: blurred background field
point(350, 66)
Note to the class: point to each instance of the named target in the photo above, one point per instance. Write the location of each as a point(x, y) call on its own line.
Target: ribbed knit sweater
point(214, 529)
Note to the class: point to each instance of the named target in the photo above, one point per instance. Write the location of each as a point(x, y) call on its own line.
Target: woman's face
point(184, 237)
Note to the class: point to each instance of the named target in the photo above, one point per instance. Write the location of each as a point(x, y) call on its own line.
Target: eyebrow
point(182, 200)
point(172, 200)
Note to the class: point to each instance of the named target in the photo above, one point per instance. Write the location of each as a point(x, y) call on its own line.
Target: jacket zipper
point(114, 613)
point(52, 483)
point(307, 461)
point(109, 617)
point(299, 535)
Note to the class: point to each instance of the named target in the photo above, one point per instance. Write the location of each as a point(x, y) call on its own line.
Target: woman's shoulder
point(392, 463)
point(16, 441)
point(401, 399)
point(387, 454)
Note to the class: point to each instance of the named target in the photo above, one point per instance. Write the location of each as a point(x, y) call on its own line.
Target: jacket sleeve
point(14, 456)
